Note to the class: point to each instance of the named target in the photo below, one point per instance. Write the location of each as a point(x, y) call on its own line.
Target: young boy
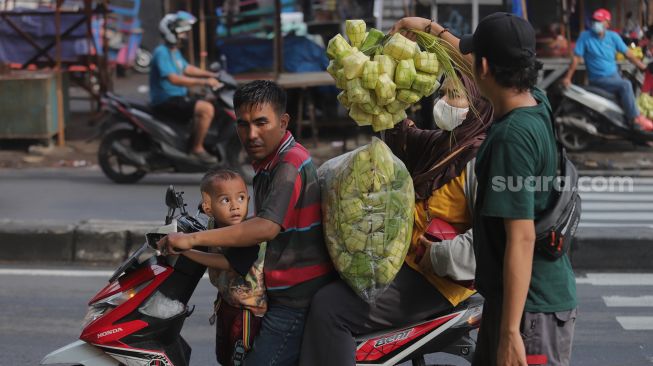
point(288, 218)
point(236, 272)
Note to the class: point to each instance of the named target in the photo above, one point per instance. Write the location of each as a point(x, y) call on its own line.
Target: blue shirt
point(600, 53)
point(164, 63)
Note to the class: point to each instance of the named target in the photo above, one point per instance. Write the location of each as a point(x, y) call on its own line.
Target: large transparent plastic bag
point(367, 202)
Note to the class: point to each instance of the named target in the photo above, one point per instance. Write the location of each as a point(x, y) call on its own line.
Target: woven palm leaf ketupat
point(391, 72)
point(367, 205)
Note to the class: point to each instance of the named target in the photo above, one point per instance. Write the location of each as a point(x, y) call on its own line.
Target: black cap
point(503, 38)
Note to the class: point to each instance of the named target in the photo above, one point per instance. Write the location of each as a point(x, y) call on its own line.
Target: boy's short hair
point(220, 175)
point(259, 92)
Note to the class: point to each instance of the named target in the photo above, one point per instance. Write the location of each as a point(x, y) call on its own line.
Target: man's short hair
point(520, 76)
point(216, 175)
point(259, 92)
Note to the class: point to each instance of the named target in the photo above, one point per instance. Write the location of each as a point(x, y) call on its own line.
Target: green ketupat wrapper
point(382, 121)
point(337, 46)
point(372, 41)
point(356, 93)
point(405, 74)
point(367, 203)
point(359, 116)
point(423, 83)
point(353, 64)
point(341, 79)
point(408, 96)
point(387, 64)
point(344, 99)
point(370, 74)
point(426, 62)
point(399, 116)
point(385, 89)
point(355, 30)
point(400, 47)
point(396, 106)
point(333, 67)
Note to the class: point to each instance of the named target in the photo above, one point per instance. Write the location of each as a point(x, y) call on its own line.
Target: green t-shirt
point(515, 167)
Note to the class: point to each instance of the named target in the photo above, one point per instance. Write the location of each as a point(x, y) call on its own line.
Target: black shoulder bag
point(556, 228)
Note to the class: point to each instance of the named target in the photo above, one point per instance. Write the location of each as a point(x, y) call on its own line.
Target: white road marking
point(59, 272)
point(617, 279)
point(628, 301)
point(636, 322)
point(55, 272)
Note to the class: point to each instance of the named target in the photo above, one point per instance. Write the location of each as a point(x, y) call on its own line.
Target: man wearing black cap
point(530, 301)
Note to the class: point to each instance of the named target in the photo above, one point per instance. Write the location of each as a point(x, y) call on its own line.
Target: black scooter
point(587, 115)
point(135, 141)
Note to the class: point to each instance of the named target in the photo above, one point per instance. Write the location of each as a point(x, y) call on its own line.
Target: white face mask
point(448, 117)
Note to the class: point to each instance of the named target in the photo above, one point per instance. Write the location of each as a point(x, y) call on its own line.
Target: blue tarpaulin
point(14, 48)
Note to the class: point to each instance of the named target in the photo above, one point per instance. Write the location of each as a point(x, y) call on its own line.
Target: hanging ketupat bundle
point(390, 73)
point(367, 204)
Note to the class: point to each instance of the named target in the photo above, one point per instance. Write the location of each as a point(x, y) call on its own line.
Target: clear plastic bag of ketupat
point(367, 202)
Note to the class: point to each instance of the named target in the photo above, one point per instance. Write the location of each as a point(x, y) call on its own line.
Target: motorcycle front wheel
point(113, 156)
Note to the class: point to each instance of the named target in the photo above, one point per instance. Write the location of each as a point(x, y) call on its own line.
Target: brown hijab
point(435, 157)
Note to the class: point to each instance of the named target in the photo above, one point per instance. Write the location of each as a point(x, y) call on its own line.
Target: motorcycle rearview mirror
point(171, 198)
point(215, 66)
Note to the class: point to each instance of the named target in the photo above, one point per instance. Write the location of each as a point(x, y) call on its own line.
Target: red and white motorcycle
point(137, 318)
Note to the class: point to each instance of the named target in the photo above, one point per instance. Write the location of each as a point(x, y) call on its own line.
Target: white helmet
point(173, 24)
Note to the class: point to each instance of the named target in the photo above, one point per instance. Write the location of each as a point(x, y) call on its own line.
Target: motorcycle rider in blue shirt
point(170, 77)
point(598, 47)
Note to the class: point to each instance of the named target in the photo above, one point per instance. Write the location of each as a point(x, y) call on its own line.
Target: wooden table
point(297, 80)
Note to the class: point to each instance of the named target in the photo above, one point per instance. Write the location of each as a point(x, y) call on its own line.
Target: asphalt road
point(72, 195)
point(42, 310)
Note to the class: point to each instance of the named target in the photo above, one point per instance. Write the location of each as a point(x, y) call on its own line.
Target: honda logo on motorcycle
point(393, 338)
point(109, 332)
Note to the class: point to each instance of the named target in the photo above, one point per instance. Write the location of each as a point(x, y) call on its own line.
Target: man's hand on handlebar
point(174, 243)
point(214, 83)
point(566, 82)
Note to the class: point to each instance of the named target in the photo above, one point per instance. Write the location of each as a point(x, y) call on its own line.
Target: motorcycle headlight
point(99, 308)
point(93, 313)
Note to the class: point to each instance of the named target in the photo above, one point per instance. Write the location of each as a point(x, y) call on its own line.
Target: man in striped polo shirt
point(288, 217)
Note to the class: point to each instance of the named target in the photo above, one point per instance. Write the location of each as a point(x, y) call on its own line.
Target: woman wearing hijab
point(441, 165)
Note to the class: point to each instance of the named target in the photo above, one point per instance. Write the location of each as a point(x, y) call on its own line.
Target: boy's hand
point(174, 243)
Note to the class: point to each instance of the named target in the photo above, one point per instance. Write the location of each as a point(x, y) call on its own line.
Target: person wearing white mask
point(435, 276)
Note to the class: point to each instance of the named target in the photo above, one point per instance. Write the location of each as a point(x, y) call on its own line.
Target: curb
point(111, 241)
point(86, 241)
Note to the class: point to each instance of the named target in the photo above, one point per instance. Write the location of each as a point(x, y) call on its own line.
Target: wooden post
point(191, 35)
point(203, 53)
point(61, 140)
point(581, 14)
point(278, 40)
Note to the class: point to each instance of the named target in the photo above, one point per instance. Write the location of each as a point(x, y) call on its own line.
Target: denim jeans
point(623, 89)
point(279, 340)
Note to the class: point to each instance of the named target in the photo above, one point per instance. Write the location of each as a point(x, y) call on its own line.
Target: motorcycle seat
point(601, 92)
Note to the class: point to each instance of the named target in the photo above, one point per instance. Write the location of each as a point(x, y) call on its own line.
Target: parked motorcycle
point(136, 319)
point(587, 115)
point(135, 141)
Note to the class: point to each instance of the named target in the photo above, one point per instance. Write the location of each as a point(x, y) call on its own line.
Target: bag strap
point(561, 149)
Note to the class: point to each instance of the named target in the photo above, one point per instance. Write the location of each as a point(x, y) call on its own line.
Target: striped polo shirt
point(287, 192)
